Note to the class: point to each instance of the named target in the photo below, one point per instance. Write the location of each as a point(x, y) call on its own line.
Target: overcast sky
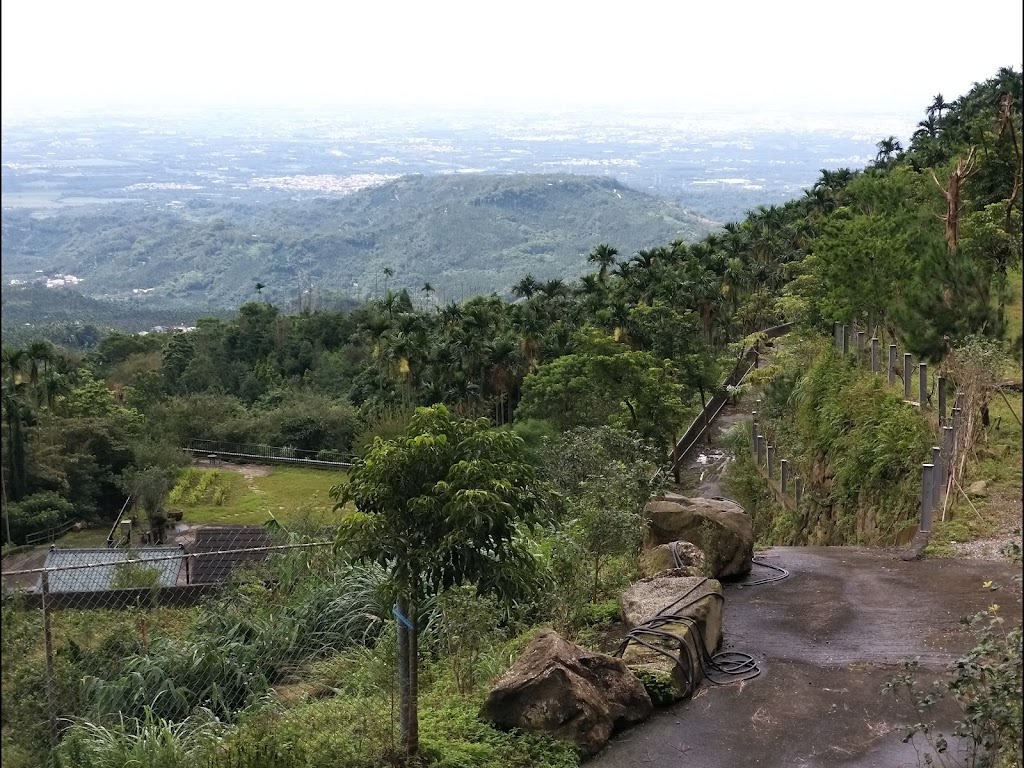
point(797, 55)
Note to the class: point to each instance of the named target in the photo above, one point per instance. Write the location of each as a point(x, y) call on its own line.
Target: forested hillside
point(464, 234)
point(578, 388)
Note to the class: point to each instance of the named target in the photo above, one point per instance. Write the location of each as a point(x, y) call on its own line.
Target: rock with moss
point(568, 692)
point(689, 611)
point(679, 556)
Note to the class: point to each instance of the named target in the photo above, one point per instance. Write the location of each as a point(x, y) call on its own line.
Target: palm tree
point(259, 289)
point(13, 392)
point(451, 314)
point(937, 106)
point(39, 352)
point(927, 128)
point(604, 256)
point(645, 257)
point(526, 287)
point(388, 273)
point(554, 288)
point(889, 149)
point(505, 369)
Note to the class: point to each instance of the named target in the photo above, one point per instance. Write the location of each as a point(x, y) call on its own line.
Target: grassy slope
point(998, 461)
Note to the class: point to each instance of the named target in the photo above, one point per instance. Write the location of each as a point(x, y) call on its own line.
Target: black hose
point(780, 574)
point(719, 669)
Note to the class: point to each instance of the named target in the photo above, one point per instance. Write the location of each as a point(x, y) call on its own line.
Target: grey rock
point(568, 692)
point(718, 527)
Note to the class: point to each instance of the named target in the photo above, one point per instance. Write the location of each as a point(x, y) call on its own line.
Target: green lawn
point(91, 537)
point(288, 494)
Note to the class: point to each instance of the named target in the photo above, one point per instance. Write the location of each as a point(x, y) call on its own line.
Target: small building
point(98, 569)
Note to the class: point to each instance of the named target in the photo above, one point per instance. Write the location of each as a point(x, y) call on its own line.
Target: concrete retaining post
point(874, 355)
point(837, 336)
point(798, 490)
point(907, 368)
point(957, 412)
point(784, 474)
point(922, 383)
point(760, 449)
point(860, 346)
point(947, 451)
point(941, 386)
point(771, 460)
point(926, 497)
point(936, 476)
point(753, 429)
point(892, 364)
point(846, 340)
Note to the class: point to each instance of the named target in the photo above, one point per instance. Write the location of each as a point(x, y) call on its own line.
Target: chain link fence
point(139, 644)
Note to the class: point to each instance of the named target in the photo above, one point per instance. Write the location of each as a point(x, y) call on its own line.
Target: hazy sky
point(832, 55)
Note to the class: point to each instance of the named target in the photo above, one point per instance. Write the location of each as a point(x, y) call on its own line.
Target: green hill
point(464, 234)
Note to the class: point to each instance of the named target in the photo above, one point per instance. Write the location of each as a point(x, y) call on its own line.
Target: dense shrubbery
point(38, 513)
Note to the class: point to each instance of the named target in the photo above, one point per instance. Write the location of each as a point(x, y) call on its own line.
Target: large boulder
point(568, 692)
point(720, 528)
point(687, 626)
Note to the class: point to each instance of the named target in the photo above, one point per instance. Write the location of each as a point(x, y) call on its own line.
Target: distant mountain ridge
point(462, 233)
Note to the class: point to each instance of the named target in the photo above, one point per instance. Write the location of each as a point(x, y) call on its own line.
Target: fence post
point(936, 476)
point(874, 355)
point(926, 497)
point(947, 450)
point(771, 460)
point(784, 474)
point(837, 337)
point(846, 340)
point(753, 430)
point(907, 367)
point(860, 346)
point(892, 364)
point(956, 423)
point(760, 450)
point(51, 690)
point(922, 383)
point(941, 386)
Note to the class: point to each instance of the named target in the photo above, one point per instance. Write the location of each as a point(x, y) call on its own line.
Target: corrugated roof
point(100, 577)
point(216, 566)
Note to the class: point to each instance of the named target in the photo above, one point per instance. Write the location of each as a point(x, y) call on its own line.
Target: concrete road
point(826, 639)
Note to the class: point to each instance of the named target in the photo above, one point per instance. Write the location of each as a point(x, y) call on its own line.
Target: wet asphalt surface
point(826, 639)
